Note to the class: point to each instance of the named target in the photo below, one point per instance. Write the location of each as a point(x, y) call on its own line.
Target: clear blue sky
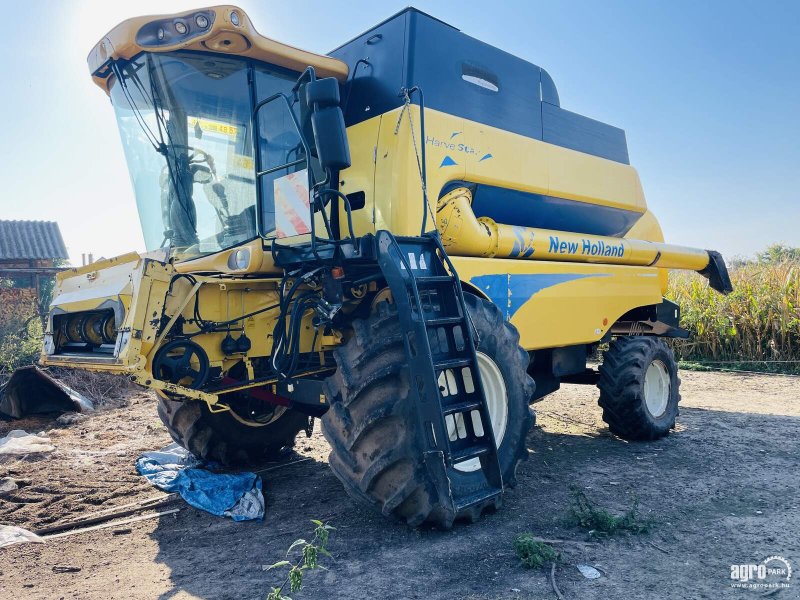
point(707, 92)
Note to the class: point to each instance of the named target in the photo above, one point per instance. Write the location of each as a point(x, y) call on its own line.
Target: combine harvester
point(408, 238)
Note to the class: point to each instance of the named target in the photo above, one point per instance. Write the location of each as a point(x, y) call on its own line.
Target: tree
point(778, 253)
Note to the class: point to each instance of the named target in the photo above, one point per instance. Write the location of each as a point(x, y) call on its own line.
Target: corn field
point(757, 325)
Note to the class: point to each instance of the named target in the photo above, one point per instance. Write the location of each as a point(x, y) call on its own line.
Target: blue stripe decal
point(509, 292)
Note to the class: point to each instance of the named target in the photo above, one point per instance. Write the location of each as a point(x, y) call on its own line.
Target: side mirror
point(327, 122)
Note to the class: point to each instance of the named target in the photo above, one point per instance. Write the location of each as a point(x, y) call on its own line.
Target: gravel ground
point(720, 490)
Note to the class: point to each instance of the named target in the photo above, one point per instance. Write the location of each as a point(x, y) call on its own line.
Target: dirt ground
point(721, 490)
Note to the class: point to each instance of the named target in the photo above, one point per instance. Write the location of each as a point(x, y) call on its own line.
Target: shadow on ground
point(722, 489)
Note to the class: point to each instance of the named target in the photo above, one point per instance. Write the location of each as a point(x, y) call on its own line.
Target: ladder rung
point(434, 279)
point(461, 407)
point(457, 456)
point(444, 321)
point(479, 497)
point(455, 363)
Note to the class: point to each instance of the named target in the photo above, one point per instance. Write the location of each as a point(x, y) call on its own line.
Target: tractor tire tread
point(370, 425)
point(621, 388)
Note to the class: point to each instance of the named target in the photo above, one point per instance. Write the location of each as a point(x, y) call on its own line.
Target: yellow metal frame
point(149, 291)
point(556, 299)
point(385, 169)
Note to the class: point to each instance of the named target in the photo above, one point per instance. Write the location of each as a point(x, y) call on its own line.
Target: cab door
point(358, 181)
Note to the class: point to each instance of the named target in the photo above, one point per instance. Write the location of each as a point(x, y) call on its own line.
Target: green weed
point(585, 514)
point(308, 560)
point(533, 553)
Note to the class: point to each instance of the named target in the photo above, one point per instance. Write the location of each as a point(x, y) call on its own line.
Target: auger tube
point(465, 235)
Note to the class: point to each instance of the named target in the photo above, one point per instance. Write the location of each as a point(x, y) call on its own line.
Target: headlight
point(169, 31)
point(239, 260)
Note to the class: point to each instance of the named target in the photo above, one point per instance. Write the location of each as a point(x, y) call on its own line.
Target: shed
point(30, 254)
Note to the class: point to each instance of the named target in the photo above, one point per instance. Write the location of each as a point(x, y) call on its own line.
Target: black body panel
point(467, 78)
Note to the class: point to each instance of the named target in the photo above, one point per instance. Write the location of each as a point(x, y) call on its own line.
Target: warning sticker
point(207, 125)
point(292, 202)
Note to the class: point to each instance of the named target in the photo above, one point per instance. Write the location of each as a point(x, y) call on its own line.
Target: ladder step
point(457, 456)
point(454, 363)
point(461, 407)
point(434, 278)
point(423, 279)
point(428, 297)
point(444, 321)
point(480, 497)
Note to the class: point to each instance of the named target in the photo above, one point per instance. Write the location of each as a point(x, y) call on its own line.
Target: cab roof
point(228, 31)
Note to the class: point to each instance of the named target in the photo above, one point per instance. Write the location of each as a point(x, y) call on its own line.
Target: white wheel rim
point(279, 410)
point(494, 387)
point(656, 388)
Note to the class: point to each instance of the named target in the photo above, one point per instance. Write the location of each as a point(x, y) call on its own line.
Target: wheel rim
point(494, 387)
point(656, 388)
point(276, 414)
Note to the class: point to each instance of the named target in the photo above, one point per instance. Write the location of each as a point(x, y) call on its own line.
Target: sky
point(707, 92)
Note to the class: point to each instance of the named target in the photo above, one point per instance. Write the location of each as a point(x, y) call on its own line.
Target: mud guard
point(32, 391)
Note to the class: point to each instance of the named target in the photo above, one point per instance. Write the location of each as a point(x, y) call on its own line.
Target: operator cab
point(186, 122)
point(186, 125)
point(223, 147)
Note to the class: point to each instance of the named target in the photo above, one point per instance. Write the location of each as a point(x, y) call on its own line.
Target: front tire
point(371, 421)
point(639, 388)
point(224, 438)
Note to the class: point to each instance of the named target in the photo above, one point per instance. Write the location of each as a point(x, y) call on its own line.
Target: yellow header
point(218, 29)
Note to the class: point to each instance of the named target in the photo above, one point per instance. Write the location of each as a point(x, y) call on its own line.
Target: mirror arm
point(312, 76)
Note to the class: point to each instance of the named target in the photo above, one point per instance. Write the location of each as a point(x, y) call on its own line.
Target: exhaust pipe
point(465, 235)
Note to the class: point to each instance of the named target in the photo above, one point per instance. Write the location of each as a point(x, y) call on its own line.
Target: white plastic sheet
point(9, 534)
point(20, 443)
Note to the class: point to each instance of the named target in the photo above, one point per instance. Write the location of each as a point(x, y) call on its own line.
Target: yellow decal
point(207, 125)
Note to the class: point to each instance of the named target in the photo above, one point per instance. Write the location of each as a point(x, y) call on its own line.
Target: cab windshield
point(186, 125)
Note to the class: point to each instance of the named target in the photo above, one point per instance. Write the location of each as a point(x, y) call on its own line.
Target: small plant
point(585, 514)
point(533, 553)
point(309, 554)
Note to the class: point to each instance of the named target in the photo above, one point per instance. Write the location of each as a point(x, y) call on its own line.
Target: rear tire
point(639, 388)
point(371, 425)
point(223, 438)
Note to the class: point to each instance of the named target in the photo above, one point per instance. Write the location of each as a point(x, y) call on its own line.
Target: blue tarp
point(234, 495)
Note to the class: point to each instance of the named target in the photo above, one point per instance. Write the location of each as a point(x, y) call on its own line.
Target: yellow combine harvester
point(408, 238)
